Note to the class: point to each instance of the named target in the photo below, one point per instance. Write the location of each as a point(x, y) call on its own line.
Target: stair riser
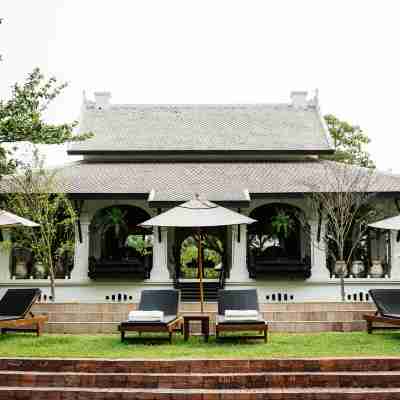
point(282, 316)
point(294, 327)
point(60, 394)
point(121, 307)
point(249, 381)
point(218, 366)
point(190, 292)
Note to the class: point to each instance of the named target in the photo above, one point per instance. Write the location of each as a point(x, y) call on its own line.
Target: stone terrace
point(283, 317)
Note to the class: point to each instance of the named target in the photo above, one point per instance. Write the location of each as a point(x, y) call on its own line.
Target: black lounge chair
point(239, 300)
point(16, 314)
point(156, 300)
point(387, 302)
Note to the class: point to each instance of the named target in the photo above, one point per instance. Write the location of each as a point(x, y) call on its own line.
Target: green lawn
point(280, 345)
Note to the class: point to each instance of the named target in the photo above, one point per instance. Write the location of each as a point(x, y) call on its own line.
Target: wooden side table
point(205, 325)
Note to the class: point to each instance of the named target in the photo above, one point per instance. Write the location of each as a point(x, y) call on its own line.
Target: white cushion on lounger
point(146, 316)
point(241, 315)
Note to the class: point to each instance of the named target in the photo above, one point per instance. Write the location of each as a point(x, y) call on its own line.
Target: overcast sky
point(183, 51)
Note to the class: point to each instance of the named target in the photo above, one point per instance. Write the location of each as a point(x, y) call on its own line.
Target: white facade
point(319, 287)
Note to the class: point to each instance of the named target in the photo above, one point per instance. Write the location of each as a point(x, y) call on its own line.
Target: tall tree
point(33, 194)
point(22, 117)
point(350, 143)
point(343, 200)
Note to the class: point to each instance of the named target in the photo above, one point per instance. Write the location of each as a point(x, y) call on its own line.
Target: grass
point(280, 345)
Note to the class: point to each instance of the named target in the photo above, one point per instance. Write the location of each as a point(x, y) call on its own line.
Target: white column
point(395, 256)
point(319, 271)
point(159, 272)
point(5, 257)
point(81, 257)
point(170, 252)
point(239, 272)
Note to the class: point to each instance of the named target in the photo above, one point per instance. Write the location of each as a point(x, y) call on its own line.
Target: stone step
point(193, 366)
point(58, 393)
point(318, 306)
point(253, 380)
point(350, 315)
point(281, 316)
point(316, 326)
point(193, 297)
point(210, 306)
point(79, 327)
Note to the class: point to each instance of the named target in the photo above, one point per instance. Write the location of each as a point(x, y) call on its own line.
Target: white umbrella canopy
point(9, 220)
point(392, 223)
point(198, 213)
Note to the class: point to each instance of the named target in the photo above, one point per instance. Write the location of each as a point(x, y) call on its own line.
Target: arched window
point(115, 234)
point(278, 243)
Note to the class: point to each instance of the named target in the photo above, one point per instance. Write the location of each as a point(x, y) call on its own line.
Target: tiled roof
point(214, 181)
point(262, 127)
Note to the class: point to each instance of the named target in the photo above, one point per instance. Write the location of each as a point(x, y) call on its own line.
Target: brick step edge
point(253, 380)
point(16, 393)
point(323, 365)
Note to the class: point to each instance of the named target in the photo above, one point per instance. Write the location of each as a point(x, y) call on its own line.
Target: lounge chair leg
point(122, 335)
point(39, 328)
point(266, 334)
point(170, 337)
point(369, 327)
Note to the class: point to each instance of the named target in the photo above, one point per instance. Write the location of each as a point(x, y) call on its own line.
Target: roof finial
point(84, 98)
point(316, 98)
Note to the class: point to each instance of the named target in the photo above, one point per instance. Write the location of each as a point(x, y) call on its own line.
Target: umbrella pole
point(200, 266)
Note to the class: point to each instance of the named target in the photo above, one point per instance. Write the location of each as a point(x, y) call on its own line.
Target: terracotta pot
point(376, 270)
point(340, 269)
point(357, 268)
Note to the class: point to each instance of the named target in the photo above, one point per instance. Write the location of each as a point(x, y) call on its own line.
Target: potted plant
point(39, 270)
point(21, 267)
point(64, 259)
point(282, 224)
point(340, 269)
point(376, 270)
point(22, 258)
point(357, 268)
point(115, 219)
point(141, 243)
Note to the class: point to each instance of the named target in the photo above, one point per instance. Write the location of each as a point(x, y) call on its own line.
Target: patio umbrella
point(392, 223)
point(9, 220)
point(198, 213)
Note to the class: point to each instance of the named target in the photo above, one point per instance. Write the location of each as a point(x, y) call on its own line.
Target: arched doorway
point(278, 243)
point(118, 246)
point(186, 253)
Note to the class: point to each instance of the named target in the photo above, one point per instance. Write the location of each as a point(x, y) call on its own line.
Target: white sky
point(218, 51)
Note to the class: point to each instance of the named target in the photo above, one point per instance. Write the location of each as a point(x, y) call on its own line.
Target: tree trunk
point(52, 277)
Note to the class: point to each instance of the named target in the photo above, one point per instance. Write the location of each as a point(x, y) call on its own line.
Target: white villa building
point(259, 160)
